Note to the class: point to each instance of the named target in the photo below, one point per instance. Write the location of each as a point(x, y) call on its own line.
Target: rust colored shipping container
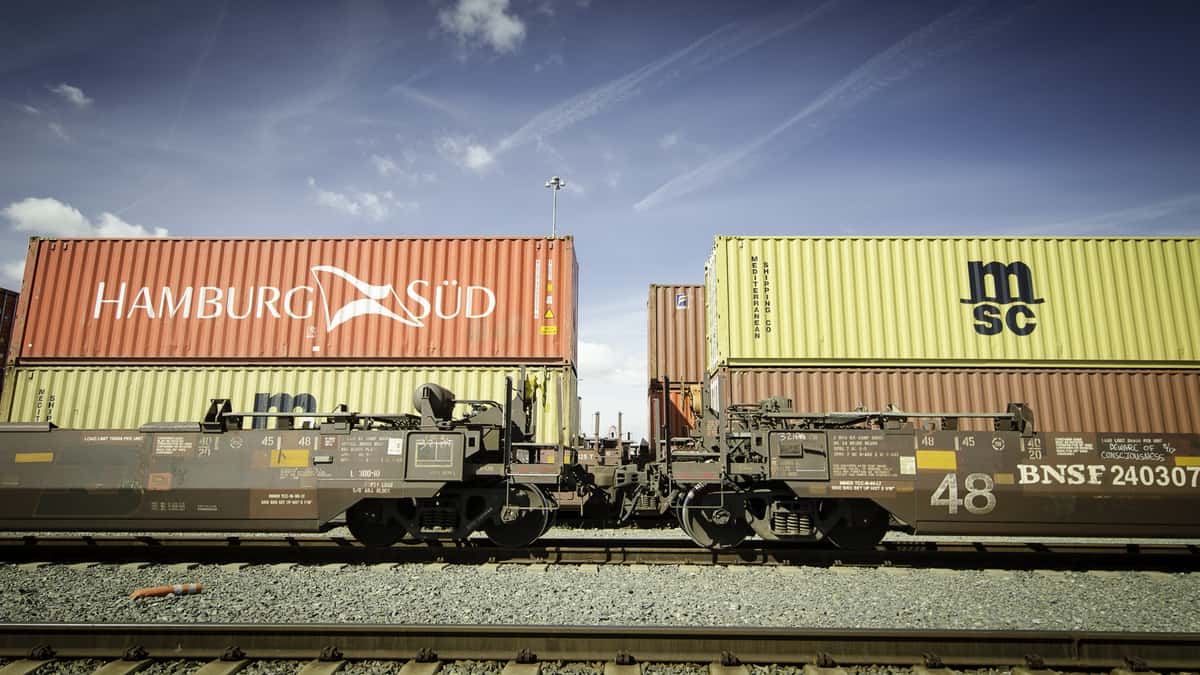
point(676, 332)
point(421, 300)
point(1148, 401)
point(682, 404)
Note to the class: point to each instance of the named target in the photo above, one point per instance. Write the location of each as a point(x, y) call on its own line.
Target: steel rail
point(604, 643)
point(319, 549)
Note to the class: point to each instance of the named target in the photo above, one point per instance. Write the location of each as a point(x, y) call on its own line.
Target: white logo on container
point(421, 299)
point(374, 296)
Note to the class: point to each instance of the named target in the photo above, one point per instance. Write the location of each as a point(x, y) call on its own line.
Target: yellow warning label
point(1187, 461)
point(1005, 479)
point(33, 457)
point(945, 460)
point(549, 315)
point(549, 286)
point(289, 458)
point(549, 330)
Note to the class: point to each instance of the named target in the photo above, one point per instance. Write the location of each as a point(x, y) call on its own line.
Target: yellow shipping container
point(937, 301)
point(97, 397)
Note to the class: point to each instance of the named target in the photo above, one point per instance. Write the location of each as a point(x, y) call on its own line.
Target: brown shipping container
point(681, 410)
point(1146, 401)
point(432, 300)
point(8, 314)
point(676, 332)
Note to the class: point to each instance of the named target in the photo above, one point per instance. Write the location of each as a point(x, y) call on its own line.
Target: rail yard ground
point(864, 597)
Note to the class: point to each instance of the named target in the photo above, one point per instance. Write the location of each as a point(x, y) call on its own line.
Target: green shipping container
point(954, 301)
point(99, 397)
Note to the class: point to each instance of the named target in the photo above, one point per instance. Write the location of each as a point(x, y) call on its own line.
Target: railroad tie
point(415, 667)
point(122, 667)
point(717, 668)
point(319, 667)
point(220, 667)
point(614, 668)
point(24, 666)
point(526, 663)
point(515, 668)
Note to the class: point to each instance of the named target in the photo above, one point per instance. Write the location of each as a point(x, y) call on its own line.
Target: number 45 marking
point(979, 487)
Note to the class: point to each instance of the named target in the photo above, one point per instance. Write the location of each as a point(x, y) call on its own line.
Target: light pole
point(555, 184)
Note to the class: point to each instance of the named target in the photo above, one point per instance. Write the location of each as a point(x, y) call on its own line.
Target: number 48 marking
point(979, 488)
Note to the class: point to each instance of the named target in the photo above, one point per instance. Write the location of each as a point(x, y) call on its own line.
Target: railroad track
point(324, 549)
point(326, 648)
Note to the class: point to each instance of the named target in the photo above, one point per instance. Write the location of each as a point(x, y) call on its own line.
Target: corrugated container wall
point(8, 314)
point(385, 300)
point(681, 410)
point(954, 301)
point(1084, 400)
point(676, 332)
point(128, 396)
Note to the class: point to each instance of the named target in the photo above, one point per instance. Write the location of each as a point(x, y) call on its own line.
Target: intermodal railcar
point(456, 468)
point(461, 466)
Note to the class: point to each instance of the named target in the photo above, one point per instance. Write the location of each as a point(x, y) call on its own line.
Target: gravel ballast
point(610, 595)
point(367, 667)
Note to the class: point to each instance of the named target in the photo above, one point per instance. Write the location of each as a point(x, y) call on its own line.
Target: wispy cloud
point(1171, 216)
point(430, 101)
point(385, 165)
point(29, 110)
point(73, 95)
point(374, 206)
point(485, 23)
point(201, 59)
point(948, 33)
point(58, 130)
point(553, 60)
point(403, 169)
point(723, 44)
point(465, 152)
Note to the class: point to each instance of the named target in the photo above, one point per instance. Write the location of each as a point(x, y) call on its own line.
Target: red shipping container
point(443, 300)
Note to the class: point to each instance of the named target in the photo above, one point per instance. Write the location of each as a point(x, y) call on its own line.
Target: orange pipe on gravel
point(159, 591)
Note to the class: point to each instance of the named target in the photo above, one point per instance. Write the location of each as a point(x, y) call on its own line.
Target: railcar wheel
point(863, 526)
point(713, 517)
point(551, 515)
point(524, 518)
point(368, 522)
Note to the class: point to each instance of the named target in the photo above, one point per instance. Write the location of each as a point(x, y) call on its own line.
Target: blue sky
point(670, 122)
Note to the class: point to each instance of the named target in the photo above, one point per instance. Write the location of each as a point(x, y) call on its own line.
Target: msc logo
point(990, 315)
